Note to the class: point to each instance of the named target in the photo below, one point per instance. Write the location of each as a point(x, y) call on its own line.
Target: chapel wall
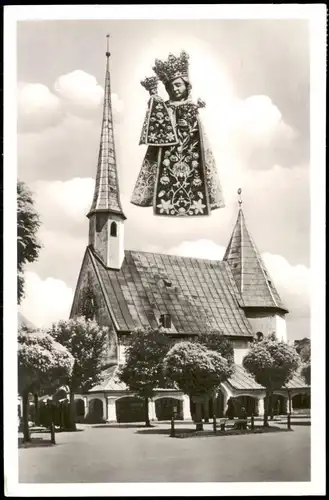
point(88, 279)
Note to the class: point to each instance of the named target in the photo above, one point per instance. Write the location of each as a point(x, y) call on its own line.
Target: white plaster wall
point(116, 251)
point(121, 354)
point(281, 327)
point(240, 348)
point(239, 354)
point(269, 323)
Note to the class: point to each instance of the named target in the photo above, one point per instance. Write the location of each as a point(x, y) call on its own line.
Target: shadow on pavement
point(121, 426)
point(34, 443)
point(158, 430)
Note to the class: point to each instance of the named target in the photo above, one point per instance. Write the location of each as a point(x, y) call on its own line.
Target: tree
point(42, 362)
point(197, 371)
point(306, 373)
point(28, 223)
point(87, 342)
point(303, 347)
point(215, 341)
point(143, 369)
point(273, 364)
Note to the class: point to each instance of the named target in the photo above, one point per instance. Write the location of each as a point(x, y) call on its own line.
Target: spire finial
point(240, 197)
point(108, 53)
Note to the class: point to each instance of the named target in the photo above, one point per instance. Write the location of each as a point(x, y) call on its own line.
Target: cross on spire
point(108, 53)
point(240, 197)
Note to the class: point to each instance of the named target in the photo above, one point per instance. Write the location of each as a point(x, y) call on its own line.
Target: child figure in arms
point(178, 175)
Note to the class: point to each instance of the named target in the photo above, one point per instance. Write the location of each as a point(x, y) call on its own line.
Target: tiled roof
point(249, 271)
point(22, 321)
point(297, 382)
point(111, 382)
point(106, 195)
point(200, 295)
point(241, 379)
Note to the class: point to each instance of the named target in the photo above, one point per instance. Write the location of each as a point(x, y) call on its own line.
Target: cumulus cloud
point(80, 93)
point(201, 249)
point(291, 280)
point(67, 199)
point(37, 108)
point(63, 206)
point(76, 93)
point(46, 300)
point(79, 87)
point(260, 119)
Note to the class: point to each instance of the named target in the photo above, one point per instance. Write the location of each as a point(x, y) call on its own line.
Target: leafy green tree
point(215, 341)
point(273, 364)
point(303, 347)
point(28, 223)
point(42, 363)
point(88, 344)
point(143, 369)
point(197, 371)
point(306, 373)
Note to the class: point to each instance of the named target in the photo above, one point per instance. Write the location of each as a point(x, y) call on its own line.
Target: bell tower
point(106, 217)
point(262, 304)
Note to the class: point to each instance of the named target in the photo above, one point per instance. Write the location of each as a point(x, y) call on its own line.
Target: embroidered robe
point(178, 175)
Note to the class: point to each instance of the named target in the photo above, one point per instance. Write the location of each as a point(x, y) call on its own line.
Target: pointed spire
point(107, 194)
point(249, 271)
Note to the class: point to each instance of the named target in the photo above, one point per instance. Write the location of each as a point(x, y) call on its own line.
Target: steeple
point(107, 194)
point(106, 217)
point(250, 274)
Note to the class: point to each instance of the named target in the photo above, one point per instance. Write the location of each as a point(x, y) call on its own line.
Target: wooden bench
point(240, 424)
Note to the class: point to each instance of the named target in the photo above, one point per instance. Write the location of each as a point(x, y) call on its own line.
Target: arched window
point(114, 229)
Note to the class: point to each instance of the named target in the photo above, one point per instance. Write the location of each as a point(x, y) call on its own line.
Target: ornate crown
point(174, 67)
point(150, 83)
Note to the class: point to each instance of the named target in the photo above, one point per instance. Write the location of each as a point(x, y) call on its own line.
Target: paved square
point(112, 454)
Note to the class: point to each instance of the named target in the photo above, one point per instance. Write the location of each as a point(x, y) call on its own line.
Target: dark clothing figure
point(243, 412)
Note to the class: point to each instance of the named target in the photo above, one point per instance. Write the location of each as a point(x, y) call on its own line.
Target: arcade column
point(261, 407)
point(152, 412)
point(186, 408)
point(111, 415)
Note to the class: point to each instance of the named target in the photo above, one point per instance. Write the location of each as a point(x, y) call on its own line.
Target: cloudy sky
point(254, 77)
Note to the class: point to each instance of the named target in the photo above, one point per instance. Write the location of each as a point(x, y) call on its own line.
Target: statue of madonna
point(178, 175)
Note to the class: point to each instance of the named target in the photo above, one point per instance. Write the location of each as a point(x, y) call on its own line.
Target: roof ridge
point(260, 261)
point(203, 259)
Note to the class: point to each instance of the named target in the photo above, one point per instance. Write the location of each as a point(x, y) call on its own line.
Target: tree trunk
point(71, 420)
point(271, 411)
point(146, 412)
point(36, 409)
point(206, 409)
point(267, 408)
point(26, 430)
point(198, 416)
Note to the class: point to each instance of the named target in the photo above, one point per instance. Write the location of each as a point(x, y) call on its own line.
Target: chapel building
point(129, 289)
